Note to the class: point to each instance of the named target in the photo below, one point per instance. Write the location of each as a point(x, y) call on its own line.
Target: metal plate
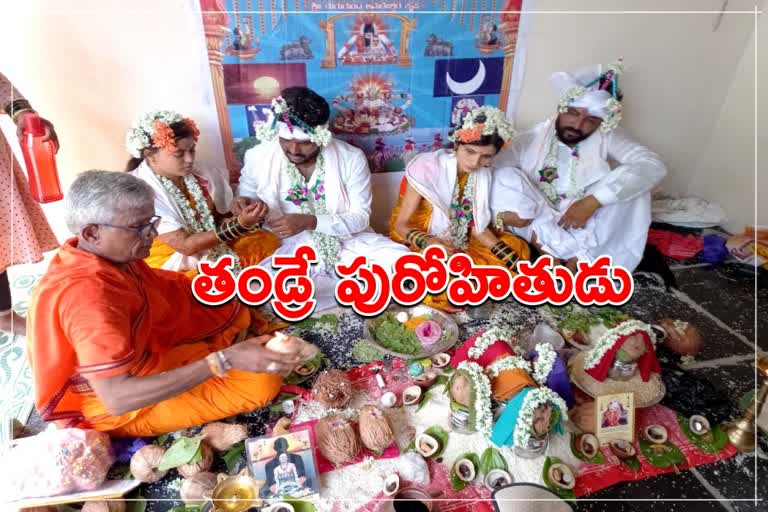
point(447, 340)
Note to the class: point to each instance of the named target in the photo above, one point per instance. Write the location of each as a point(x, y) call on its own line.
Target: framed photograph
point(616, 417)
point(286, 464)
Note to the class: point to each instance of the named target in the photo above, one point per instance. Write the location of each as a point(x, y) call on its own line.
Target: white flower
point(481, 387)
point(609, 339)
point(321, 135)
point(535, 398)
point(139, 136)
point(544, 362)
point(205, 223)
point(495, 122)
point(490, 337)
point(507, 363)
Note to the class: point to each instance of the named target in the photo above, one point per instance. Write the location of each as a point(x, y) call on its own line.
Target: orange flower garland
point(164, 137)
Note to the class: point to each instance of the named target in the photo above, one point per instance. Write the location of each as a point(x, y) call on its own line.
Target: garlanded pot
point(465, 470)
point(497, 478)
point(460, 420)
point(535, 448)
point(622, 371)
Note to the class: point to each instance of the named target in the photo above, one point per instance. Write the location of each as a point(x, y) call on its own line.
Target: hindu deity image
point(243, 43)
point(369, 43)
point(462, 108)
point(370, 107)
point(488, 36)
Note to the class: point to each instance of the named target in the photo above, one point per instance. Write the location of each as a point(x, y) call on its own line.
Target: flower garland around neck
point(506, 363)
point(328, 246)
point(525, 417)
point(609, 339)
point(488, 338)
point(481, 387)
point(548, 175)
point(461, 212)
point(545, 361)
point(205, 222)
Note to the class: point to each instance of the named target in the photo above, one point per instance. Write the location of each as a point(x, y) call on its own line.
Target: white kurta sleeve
point(640, 171)
point(357, 182)
point(512, 156)
point(248, 184)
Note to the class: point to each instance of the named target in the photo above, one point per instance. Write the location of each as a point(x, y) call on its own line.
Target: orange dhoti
point(480, 254)
point(89, 319)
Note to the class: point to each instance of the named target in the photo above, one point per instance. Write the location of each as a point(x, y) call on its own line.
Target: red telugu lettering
point(214, 284)
point(296, 302)
point(244, 288)
point(426, 271)
point(595, 283)
point(538, 283)
point(370, 300)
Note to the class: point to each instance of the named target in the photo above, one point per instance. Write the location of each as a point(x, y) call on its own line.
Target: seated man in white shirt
point(559, 191)
point(317, 188)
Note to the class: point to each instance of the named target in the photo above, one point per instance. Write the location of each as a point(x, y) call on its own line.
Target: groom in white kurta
point(346, 184)
point(557, 185)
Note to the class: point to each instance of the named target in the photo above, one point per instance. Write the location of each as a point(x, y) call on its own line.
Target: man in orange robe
point(117, 346)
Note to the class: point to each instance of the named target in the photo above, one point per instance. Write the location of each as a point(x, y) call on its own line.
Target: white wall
point(726, 168)
point(91, 65)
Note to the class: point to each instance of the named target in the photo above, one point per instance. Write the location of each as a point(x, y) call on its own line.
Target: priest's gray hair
point(97, 197)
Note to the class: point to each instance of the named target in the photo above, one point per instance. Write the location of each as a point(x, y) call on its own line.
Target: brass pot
point(235, 493)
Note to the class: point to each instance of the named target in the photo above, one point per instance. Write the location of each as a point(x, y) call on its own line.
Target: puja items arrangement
point(56, 462)
point(419, 331)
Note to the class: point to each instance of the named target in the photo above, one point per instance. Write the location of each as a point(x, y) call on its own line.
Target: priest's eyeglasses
point(143, 231)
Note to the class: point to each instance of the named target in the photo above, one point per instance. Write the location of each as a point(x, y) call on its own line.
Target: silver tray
point(448, 339)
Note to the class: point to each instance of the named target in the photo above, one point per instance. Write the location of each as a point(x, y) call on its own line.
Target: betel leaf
point(599, 458)
point(566, 494)
point(442, 437)
point(442, 380)
point(301, 506)
point(423, 402)
point(632, 463)
point(233, 456)
point(712, 442)
point(186, 508)
point(457, 483)
point(492, 459)
point(181, 452)
point(661, 455)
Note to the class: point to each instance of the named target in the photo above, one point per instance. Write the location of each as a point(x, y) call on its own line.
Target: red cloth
point(675, 245)
point(647, 363)
point(494, 351)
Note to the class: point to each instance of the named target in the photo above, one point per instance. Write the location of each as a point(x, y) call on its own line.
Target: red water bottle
point(40, 158)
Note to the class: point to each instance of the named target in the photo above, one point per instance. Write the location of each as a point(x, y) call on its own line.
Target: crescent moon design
point(471, 85)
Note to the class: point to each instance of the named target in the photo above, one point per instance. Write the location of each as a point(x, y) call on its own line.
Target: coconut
point(281, 507)
point(656, 434)
point(391, 484)
point(699, 425)
point(465, 470)
point(588, 445)
point(195, 487)
point(561, 475)
point(222, 436)
point(623, 449)
point(426, 445)
point(336, 440)
point(204, 464)
point(375, 431)
point(682, 337)
point(497, 478)
point(461, 390)
point(425, 380)
point(584, 416)
point(411, 395)
point(145, 462)
point(103, 506)
point(333, 389)
point(292, 345)
point(441, 360)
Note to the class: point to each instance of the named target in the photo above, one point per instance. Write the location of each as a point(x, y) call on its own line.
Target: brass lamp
point(741, 433)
